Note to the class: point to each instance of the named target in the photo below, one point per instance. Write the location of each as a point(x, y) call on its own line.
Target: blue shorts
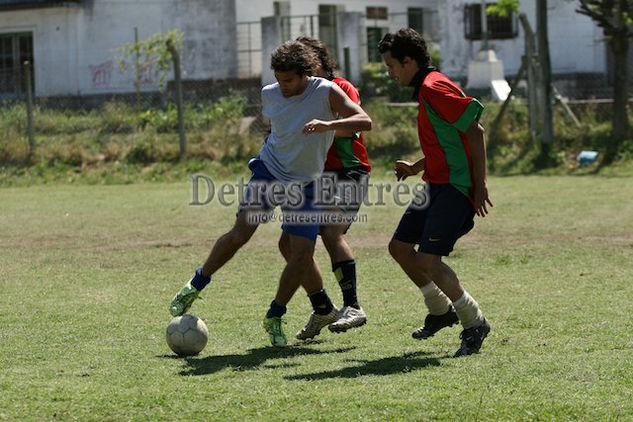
point(264, 192)
point(446, 215)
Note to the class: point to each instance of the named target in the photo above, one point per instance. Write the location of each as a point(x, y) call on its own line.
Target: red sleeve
point(448, 101)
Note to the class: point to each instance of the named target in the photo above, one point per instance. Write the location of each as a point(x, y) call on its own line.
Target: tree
point(614, 17)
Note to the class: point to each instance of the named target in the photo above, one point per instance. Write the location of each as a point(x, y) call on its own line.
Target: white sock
point(468, 311)
point(436, 301)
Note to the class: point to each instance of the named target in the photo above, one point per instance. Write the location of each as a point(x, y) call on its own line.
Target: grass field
point(87, 273)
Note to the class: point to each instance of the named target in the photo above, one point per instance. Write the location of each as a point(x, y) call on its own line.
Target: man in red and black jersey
point(454, 169)
point(348, 165)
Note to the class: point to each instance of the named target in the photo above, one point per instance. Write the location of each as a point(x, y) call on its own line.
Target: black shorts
point(445, 216)
point(351, 189)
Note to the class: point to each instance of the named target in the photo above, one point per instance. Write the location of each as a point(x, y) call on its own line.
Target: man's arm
point(477, 146)
point(353, 116)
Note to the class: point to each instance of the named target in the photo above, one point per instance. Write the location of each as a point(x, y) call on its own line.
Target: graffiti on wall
point(101, 74)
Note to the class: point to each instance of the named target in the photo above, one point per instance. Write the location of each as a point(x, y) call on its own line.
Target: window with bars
point(15, 49)
point(498, 27)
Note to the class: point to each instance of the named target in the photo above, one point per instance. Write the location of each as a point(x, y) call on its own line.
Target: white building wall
point(76, 48)
point(250, 11)
point(576, 43)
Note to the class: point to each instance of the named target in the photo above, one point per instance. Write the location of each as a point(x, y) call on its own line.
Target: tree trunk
point(620, 121)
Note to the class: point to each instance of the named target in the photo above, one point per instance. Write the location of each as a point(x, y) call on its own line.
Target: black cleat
point(472, 338)
point(434, 323)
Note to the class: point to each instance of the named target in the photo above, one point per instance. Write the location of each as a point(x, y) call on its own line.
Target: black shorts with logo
point(445, 216)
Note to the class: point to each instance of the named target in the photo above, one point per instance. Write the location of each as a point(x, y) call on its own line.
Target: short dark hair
point(406, 42)
point(294, 56)
point(328, 64)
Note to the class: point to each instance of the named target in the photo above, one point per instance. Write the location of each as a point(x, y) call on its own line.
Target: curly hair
point(406, 43)
point(294, 56)
point(328, 64)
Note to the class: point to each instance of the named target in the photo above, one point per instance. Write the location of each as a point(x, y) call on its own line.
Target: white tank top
point(288, 154)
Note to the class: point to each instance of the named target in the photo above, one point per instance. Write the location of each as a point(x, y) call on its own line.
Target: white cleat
point(316, 323)
point(349, 317)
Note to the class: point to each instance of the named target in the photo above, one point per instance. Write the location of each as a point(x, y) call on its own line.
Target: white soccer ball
point(187, 335)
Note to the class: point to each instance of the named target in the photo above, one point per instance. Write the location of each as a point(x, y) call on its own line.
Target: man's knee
point(401, 251)
point(301, 249)
point(241, 233)
point(284, 245)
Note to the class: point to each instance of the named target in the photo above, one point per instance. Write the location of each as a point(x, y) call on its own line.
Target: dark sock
point(275, 310)
point(345, 273)
point(199, 281)
point(321, 302)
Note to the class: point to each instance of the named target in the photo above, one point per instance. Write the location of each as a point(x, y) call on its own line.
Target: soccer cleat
point(434, 323)
point(273, 327)
point(472, 338)
point(316, 323)
point(349, 317)
point(183, 299)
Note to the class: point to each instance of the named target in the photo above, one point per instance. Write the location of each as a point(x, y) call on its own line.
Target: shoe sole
point(343, 328)
point(431, 335)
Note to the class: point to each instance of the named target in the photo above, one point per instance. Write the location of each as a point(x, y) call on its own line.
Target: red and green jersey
point(444, 115)
point(347, 152)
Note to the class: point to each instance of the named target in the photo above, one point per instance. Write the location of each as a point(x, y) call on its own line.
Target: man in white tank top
point(303, 112)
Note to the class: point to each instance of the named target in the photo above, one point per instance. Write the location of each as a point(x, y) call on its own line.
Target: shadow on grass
point(253, 359)
point(386, 366)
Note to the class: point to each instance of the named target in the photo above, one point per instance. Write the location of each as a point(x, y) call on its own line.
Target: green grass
point(88, 272)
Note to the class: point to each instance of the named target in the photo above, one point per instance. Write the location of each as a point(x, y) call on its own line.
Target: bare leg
point(301, 268)
point(228, 244)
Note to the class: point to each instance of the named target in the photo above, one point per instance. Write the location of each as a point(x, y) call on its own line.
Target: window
point(415, 18)
point(498, 27)
point(380, 13)
point(327, 28)
point(15, 49)
point(374, 35)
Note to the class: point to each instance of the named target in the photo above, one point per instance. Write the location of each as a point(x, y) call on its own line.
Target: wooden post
point(178, 82)
point(347, 63)
point(29, 108)
point(545, 80)
point(532, 75)
point(137, 70)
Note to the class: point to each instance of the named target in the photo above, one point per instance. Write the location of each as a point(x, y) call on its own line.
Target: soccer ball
point(187, 335)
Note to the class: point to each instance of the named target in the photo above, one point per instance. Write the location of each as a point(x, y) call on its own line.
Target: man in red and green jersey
point(348, 164)
point(454, 166)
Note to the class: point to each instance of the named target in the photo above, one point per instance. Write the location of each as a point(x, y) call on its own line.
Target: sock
point(199, 281)
point(468, 311)
point(345, 273)
point(321, 302)
point(434, 299)
point(275, 310)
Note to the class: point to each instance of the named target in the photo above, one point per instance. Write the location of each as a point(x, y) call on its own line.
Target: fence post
point(347, 64)
point(178, 81)
point(137, 70)
point(532, 75)
point(29, 108)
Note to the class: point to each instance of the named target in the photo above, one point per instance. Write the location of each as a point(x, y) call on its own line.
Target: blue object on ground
point(586, 157)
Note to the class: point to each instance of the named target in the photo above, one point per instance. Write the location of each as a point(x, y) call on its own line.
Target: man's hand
point(316, 126)
point(405, 169)
point(480, 199)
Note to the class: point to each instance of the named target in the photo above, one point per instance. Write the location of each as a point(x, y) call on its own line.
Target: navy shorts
point(445, 216)
point(300, 216)
point(351, 187)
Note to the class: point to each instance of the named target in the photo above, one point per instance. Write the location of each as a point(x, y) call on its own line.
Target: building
point(72, 45)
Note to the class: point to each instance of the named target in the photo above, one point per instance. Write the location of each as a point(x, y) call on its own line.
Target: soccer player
point(348, 163)
point(454, 166)
point(302, 111)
